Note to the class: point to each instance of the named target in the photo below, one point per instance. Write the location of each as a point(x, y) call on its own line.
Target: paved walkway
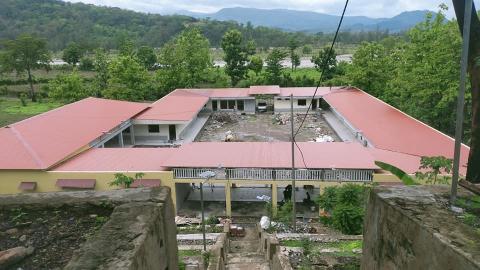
point(198, 236)
point(344, 132)
point(195, 128)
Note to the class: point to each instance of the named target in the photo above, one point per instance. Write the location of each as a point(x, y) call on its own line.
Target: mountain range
point(307, 21)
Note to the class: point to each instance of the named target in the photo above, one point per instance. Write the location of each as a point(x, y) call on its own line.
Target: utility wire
point(324, 67)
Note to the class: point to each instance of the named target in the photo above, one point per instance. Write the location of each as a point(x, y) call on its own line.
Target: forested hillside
point(93, 26)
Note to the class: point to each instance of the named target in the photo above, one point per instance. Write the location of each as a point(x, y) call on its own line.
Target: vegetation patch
point(50, 231)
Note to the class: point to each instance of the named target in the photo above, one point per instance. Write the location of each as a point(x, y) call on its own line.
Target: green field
point(11, 109)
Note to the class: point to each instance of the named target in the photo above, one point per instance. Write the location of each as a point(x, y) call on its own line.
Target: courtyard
point(265, 127)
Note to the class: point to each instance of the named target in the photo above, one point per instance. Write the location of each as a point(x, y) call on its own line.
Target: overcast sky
point(370, 8)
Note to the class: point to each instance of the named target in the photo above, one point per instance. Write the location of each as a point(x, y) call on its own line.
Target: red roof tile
point(264, 90)
point(118, 160)
point(222, 92)
point(390, 129)
point(43, 140)
point(271, 155)
point(305, 91)
point(76, 183)
point(179, 105)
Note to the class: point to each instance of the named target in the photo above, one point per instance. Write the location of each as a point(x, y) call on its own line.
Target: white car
point(262, 106)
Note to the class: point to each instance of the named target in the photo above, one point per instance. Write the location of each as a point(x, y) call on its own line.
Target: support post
point(461, 99)
point(274, 199)
point(132, 135)
point(203, 217)
point(228, 199)
point(120, 138)
point(294, 210)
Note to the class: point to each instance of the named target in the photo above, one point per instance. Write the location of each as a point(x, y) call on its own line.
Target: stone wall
point(140, 233)
point(410, 227)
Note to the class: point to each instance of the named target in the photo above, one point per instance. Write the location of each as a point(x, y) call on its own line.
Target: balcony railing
point(328, 175)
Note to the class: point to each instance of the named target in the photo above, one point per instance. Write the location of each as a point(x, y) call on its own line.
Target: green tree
point(147, 57)
point(292, 46)
point(102, 75)
point(72, 54)
point(185, 60)
point(25, 54)
point(128, 80)
point(372, 68)
point(326, 61)
point(307, 49)
point(236, 55)
point(68, 88)
point(122, 180)
point(433, 167)
point(348, 218)
point(256, 64)
point(86, 64)
point(295, 58)
point(274, 66)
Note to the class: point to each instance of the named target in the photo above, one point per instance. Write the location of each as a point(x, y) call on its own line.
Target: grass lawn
point(345, 248)
point(11, 109)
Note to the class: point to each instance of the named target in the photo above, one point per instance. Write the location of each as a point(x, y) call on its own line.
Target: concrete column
point(274, 199)
point(132, 135)
point(228, 199)
point(120, 139)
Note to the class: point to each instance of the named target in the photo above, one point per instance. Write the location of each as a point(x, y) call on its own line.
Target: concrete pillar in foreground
point(228, 199)
point(274, 198)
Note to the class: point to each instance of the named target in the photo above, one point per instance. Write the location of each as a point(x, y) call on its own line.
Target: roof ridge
point(27, 146)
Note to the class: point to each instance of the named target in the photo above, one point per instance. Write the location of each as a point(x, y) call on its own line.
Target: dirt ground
point(264, 128)
point(54, 233)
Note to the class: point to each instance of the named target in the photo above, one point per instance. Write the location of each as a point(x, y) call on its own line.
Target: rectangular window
point(240, 105)
point(302, 102)
point(231, 104)
point(223, 104)
point(153, 129)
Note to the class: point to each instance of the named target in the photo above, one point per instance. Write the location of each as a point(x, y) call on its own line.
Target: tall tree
point(326, 61)
point(102, 75)
point(473, 171)
point(184, 61)
point(256, 64)
point(147, 57)
point(292, 46)
point(236, 55)
point(72, 54)
point(274, 66)
point(25, 54)
point(68, 88)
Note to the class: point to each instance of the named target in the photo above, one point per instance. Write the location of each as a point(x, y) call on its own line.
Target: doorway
point(214, 105)
point(314, 104)
point(172, 132)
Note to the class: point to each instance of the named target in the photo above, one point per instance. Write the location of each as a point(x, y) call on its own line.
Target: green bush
point(348, 218)
point(284, 213)
point(328, 199)
point(212, 220)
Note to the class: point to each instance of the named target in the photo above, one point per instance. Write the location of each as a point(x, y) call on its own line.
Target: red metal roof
point(179, 105)
point(222, 92)
point(118, 160)
point(271, 155)
point(390, 129)
point(146, 183)
point(264, 90)
point(76, 183)
point(305, 91)
point(43, 140)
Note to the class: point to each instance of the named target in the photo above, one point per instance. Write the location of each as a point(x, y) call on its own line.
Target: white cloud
point(376, 8)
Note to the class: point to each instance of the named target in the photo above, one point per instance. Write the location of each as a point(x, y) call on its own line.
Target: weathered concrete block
point(410, 227)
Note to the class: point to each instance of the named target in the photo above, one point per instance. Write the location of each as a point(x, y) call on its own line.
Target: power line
point(324, 67)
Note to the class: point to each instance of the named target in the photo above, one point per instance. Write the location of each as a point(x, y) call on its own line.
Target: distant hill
point(293, 20)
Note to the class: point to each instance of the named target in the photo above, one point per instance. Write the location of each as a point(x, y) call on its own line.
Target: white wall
point(282, 105)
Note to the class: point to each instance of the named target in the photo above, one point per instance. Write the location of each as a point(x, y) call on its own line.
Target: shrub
point(124, 181)
point(212, 220)
point(23, 99)
point(328, 199)
point(348, 218)
point(284, 213)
